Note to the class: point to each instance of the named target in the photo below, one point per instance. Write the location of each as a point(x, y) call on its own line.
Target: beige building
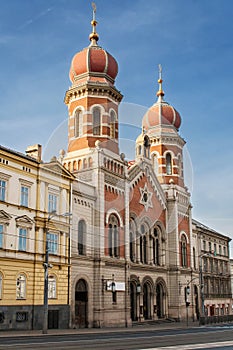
point(214, 269)
point(30, 193)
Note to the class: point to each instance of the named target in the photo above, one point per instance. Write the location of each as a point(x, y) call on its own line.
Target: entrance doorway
point(160, 300)
point(133, 301)
point(81, 304)
point(146, 301)
point(196, 298)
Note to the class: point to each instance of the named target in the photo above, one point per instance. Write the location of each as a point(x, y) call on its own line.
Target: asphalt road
point(193, 338)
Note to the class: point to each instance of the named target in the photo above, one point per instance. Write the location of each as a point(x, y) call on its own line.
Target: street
point(137, 339)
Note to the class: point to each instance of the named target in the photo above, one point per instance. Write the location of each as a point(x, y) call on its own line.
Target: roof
point(204, 227)
point(19, 154)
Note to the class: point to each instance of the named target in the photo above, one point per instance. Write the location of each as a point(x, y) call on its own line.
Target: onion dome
point(93, 60)
point(161, 113)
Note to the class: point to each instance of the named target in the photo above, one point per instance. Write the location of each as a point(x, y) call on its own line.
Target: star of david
point(146, 197)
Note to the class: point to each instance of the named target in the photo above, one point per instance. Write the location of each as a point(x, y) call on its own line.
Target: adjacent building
point(33, 198)
point(215, 271)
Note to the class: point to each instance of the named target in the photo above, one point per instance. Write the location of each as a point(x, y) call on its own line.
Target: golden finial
point(160, 80)
point(94, 37)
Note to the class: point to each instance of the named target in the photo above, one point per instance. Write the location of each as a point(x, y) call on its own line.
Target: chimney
point(35, 152)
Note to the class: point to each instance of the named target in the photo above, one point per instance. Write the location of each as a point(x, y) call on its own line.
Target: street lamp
point(202, 285)
point(46, 267)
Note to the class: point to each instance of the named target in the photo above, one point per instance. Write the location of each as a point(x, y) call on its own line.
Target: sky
point(191, 39)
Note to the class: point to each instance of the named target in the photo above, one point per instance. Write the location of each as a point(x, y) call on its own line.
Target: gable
point(4, 217)
point(144, 170)
point(57, 168)
point(24, 220)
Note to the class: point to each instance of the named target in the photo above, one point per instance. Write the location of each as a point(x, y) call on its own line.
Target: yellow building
point(34, 196)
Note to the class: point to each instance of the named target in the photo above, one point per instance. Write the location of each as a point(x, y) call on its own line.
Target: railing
point(215, 319)
point(216, 296)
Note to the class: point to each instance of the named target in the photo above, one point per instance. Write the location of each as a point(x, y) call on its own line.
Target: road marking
point(194, 346)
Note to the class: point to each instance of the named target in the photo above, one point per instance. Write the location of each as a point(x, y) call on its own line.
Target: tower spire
point(160, 92)
point(94, 37)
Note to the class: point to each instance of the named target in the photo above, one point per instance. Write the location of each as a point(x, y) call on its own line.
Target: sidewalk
point(134, 329)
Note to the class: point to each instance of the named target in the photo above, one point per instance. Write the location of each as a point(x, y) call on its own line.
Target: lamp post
point(202, 286)
point(46, 267)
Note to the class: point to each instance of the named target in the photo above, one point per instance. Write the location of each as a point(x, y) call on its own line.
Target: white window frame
point(23, 235)
point(21, 286)
point(52, 239)
point(3, 187)
point(52, 202)
point(52, 287)
point(24, 195)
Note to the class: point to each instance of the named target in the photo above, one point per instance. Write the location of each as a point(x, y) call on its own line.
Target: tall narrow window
point(21, 287)
point(52, 239)
point(112, 125)
point(110, 250)
point(113, 236)
point(96, 121)
point(22, 239)
point(2, 190)
point(183, 251)
point(131, 250)
point(24, 196)
point(81, 237)
point(1, 236)
point(144, 250)
point(78, 123)
point(52, 205)
point(194, 258)
point(168, 164)
point(52, 287)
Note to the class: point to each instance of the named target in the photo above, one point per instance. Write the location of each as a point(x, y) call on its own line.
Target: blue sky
point(192, 39)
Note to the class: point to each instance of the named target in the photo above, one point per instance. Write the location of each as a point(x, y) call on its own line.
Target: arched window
point(183, 251)
point(139, 150)
point(112, 125)
point(143, 246)
point(21, 287)
point(52, 287)
point(194, 259)
point(132, 240)
point(96, 121)
point(146, 145)
point(81, 237)
point(168, 164)
point(113, 237)
point(1, 285)
point(156, 247)
point(78, 123)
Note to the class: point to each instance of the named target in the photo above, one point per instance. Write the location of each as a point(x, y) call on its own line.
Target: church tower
point(161, 125)
point(92, 102)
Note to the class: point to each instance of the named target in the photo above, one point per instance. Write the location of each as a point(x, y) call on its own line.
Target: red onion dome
point(93, 59)
point(161, 113)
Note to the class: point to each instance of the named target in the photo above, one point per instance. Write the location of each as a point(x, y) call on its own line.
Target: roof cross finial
point(160, 92)
point(94, 37)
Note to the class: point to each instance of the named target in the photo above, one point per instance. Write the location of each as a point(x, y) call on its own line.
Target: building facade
point(215, 271)
point(30, 193)
point(131, 251)
point(134, 253)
